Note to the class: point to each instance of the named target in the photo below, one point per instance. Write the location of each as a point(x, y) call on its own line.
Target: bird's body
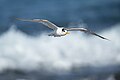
point(60, 31)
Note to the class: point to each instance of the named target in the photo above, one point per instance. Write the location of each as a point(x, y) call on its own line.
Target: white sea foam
point(20, 51)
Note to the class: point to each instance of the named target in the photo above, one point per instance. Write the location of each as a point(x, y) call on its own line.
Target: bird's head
point(64, 31)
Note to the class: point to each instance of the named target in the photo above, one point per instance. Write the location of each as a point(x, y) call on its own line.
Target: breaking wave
point(20, 51)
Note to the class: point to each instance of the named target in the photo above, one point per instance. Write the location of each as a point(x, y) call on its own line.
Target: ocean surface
point(27, 53)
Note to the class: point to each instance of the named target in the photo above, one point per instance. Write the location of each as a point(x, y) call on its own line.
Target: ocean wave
point(20, 51)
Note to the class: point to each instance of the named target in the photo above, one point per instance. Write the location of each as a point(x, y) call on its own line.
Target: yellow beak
point(67, 33)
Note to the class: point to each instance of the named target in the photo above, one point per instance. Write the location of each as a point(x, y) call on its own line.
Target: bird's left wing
point(43, 21)
point(86, 31)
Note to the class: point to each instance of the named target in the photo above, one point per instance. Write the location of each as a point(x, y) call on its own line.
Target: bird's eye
point(63, 30)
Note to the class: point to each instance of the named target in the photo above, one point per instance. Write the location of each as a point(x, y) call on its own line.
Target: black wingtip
point(106, 39)
point(99, 36)
point(102, 37)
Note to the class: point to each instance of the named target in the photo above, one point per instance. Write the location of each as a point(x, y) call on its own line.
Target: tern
point(60, 31)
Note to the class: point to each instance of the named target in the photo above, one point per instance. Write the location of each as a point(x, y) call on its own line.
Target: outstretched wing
point(43, 21)
point(86, 31)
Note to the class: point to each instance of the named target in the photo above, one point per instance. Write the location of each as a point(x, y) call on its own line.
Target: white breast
point(59, 31)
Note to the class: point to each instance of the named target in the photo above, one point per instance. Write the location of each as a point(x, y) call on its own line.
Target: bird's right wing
point(86, 31)
point(43, 21)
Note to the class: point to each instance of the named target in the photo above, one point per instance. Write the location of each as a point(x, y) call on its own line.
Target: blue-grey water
point(27, 53)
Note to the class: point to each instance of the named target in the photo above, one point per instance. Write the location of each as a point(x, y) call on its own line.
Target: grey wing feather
point(86, 31)
point(43, 21)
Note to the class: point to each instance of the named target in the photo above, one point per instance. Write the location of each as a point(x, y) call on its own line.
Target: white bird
point(60, 31)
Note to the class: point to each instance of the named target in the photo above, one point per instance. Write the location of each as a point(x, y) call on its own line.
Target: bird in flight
point(60, 31)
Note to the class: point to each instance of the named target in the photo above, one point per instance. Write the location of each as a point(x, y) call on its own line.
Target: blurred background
point(27, 53)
